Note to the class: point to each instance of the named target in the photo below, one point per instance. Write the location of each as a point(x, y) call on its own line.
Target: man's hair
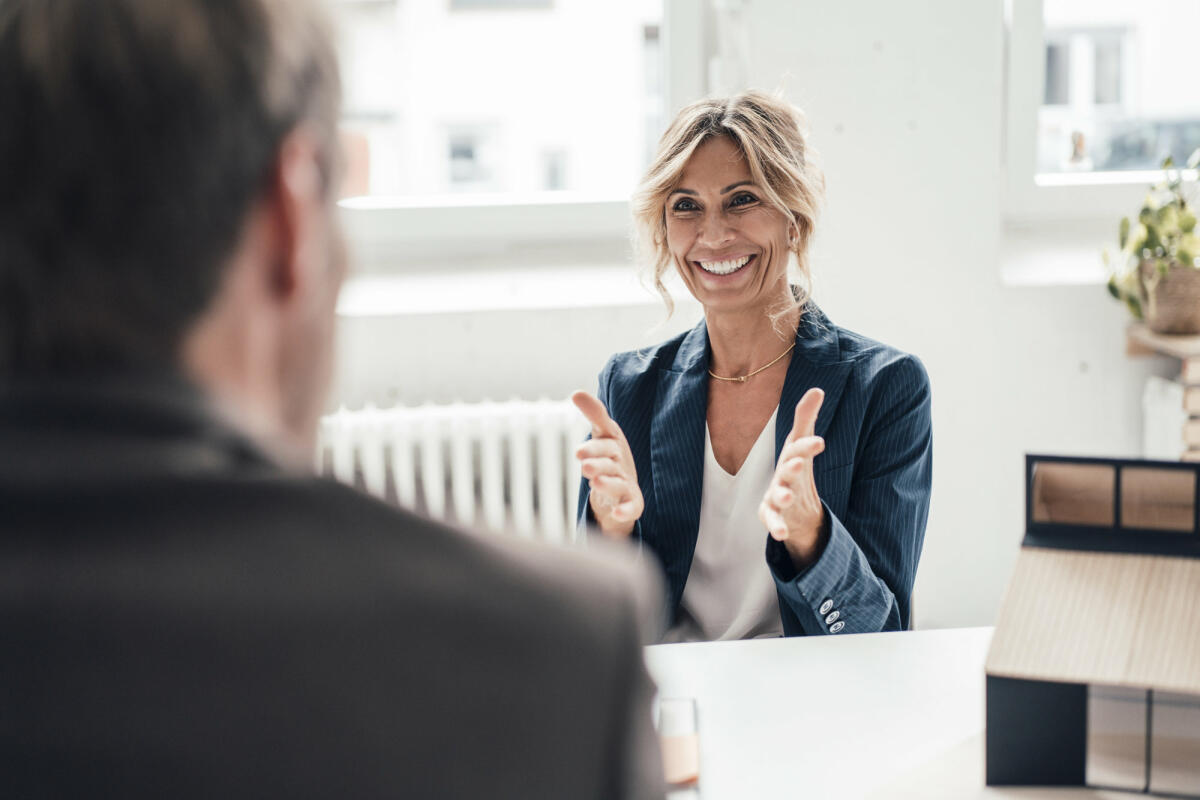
point(135, 136)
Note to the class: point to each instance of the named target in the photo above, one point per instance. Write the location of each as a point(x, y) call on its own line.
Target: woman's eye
point(745, 198)
point(684, 204)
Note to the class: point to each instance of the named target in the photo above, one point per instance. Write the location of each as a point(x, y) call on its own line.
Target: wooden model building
point(1093, 676)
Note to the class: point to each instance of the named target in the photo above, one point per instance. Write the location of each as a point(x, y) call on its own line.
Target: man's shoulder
point(496, 576)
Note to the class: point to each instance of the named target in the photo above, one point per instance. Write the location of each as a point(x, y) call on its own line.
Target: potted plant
point(1157, 271)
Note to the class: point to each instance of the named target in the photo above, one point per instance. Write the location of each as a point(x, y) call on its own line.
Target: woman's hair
point(770, 134)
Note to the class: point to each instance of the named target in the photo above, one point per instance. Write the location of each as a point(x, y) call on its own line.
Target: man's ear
point(295, 200)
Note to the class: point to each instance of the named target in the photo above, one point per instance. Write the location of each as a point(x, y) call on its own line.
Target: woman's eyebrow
point(726, 190)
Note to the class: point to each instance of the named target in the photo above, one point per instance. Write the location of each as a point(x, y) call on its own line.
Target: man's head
point(166, 179)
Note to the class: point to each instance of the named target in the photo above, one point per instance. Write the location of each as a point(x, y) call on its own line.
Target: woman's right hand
point(607, 463)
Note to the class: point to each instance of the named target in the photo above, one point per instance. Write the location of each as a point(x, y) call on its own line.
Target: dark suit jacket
point(874, 476)
point(181, 617)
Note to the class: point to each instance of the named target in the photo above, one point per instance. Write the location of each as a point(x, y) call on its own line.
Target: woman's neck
point(743, 341)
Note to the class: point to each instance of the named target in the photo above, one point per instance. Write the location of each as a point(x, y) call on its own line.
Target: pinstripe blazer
point(873, 478)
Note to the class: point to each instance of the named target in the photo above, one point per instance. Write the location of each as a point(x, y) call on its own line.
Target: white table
point(890, 715)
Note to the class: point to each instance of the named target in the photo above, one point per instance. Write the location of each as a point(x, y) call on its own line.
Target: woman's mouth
point(727, 267)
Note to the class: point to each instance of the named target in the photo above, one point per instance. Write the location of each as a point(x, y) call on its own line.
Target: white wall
point(905, 104)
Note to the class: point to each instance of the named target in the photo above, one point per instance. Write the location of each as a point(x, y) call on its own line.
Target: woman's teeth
point(723, 267)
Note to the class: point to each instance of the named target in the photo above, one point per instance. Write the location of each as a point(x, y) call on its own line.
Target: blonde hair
point(770, 134)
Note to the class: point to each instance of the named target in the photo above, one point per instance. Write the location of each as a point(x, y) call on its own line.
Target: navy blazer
point(873, 478)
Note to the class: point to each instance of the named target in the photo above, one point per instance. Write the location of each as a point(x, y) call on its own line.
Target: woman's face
point(729, 246)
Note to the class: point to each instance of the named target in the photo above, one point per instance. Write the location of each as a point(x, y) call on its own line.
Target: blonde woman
point(766, 424)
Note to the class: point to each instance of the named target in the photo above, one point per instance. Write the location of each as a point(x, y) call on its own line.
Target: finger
point(795, 474)
point(595, 467)
point(591, 407)
point(599, 448)
point(773, 521)
point(795, 466)
point(780, 497)
point(614, 486)
point(805, 447)
point(626, 511)
point(804, 422)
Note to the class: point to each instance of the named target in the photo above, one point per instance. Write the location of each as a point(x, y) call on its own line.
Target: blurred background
point(977, 155)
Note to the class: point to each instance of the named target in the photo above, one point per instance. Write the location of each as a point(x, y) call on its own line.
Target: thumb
point(591, 407)
point(805, 421)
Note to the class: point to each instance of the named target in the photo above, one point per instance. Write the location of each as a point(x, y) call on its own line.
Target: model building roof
point(1107, 585)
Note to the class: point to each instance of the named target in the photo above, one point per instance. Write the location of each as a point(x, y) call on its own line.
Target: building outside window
point(501, 96)
point(1119, 85)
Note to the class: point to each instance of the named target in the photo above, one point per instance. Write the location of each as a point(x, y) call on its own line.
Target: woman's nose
point(715, 231)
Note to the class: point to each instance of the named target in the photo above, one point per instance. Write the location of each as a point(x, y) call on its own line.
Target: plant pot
point(1175, 307)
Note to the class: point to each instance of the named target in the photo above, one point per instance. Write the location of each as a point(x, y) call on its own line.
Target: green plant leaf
point(1187, 220)
point(1123, 232)
point(1152, 242)
point(1187, 249)
point(1168, 219)
point(1194, 159)
point(1168, 162)
point(1138, 240)
point(1135, 307)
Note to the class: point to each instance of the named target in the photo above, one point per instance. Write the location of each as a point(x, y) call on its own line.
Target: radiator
point(506, 467)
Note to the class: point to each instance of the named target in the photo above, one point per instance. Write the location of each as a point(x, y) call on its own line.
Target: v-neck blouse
point(729, 593)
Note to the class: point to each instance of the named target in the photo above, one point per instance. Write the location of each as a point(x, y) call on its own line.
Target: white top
point(730, 593)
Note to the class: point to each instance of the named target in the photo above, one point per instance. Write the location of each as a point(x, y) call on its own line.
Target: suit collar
point(816, 362)
point(118, 426)
point(694, 353)
point(816, 343)
point(817, 337)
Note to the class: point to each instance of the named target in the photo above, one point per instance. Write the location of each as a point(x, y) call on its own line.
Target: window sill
point(459, 292)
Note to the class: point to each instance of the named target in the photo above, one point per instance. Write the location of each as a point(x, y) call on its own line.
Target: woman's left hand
point(791, 509)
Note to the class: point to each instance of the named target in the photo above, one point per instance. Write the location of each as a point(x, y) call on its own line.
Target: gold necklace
point(742, 378)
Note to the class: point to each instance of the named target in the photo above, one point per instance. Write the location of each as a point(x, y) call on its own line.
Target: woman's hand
point(607, 463)
point(791, 509)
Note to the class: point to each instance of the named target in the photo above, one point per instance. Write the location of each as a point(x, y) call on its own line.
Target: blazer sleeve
point(863, 578)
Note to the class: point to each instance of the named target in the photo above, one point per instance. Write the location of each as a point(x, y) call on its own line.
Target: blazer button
point(837, 627)
point(828, 604)
point(832, 618)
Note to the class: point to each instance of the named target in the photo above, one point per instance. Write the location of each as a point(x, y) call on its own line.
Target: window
point(1097, 94)
point(471, 158)
point(1119, 86)
point(501, 96)
point(1058, 74)
point(506, 127)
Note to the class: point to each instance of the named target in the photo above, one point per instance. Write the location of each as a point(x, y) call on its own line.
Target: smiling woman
point(764, 418)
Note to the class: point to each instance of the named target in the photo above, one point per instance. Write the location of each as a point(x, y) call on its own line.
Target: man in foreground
point(183, 612)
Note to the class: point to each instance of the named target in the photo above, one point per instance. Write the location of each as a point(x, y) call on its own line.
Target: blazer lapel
point(815, 362)
point(677, 457)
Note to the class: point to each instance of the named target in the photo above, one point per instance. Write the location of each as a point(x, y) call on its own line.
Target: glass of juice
point(680, 740)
